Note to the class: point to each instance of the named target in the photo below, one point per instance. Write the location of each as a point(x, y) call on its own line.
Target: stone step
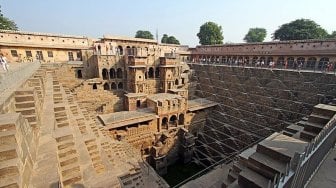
point(324, 110)
point(251, 179)
point(12, 182)
point(23, 98)
point(71, 172)
point(30, 118)
point(25, 104)
point(26, 111)
point(20, 92)
point(319, 119)
point(293, 128)
point(6, 133)
point(8, 154)
point(311, 127)
point(306, 135)
point(280, 147)
point(72, 180)
point(266, 165)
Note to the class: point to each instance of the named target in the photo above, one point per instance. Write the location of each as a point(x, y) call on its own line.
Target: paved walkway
point(45, 168)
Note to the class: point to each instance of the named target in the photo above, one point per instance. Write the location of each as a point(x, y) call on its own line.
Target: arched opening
point(181, 119)
point(290, 62)
point(112, 73)
point(172, 120)
point(280, 62)
point(94, 86)
point(138, 103)
point(164, 123)
point(120, 50)
point(151, 72)
point(106, 86)
point(157, 73)
point(323, 63)
point(300, 62)
point(105, 74)
point(119, 73)
point(113, 85)
point(176, 82)
point(79, 74)
point(134, 50)
point(120, 85)
point(255, 61)
point(311, 62)
point(99, 49)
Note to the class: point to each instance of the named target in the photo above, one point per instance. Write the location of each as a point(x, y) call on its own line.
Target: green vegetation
point(6, 23)
point(300, 29)
point(210, 33)
point(255, 35)
point(144, 34)
point(169, 39)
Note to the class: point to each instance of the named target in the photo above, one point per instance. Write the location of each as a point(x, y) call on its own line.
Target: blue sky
point(181, 18)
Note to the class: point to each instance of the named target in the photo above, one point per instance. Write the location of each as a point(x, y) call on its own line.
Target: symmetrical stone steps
point(17, 150)
point(69, 167)
point(28, 104)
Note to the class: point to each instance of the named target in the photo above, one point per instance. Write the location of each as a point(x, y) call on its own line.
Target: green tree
point(169, 39)
point(300, 29)
point(332, 35)
point(255, 35)
point(6, 23)
point(164, 38)
point(210, 33)
point(144, 34)
point(172, 40)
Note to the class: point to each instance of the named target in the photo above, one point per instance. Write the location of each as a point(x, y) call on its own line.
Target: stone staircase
point(28, 104)
point(270, 158)
point(17, 150)
point(316, 121)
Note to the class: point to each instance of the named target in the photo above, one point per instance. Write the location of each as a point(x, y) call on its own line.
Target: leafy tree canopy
point(6, 23)
point(144, 34)
point(210, 33)
point(255, 35)
point(169, 39)
point(300, 29)
point(332, 35)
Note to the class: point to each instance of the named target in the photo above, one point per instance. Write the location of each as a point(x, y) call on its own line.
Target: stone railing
point(303, 166)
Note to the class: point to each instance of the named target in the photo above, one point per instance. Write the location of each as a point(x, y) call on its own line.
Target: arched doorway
point(181, 119)
point(113, 85)
point(157, 73)
point(94, 86)
point(323, 63)
point(119, 73)
point(151, 72)
point(176, 82)
point(172, 120)
point(112, 73)
point(79, 74)
point(311, 63)
point(105, 74)
point(280, 62)
point(106, 86)
point(300, 62)
point(164, 123)
point(120, 85)
point(120, 50)
point(290, 62)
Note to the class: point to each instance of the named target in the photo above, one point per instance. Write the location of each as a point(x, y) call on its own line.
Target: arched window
point(99, 49)
point(94, 86)
point(311, 62)
point(106, 86)
point(79, 74)
point(105, 74)
point(151, 72)
point(113, 85)
point(176, 82)
point(181, 119)
point(120, 85)
point(112, 73)
point(119, 73)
